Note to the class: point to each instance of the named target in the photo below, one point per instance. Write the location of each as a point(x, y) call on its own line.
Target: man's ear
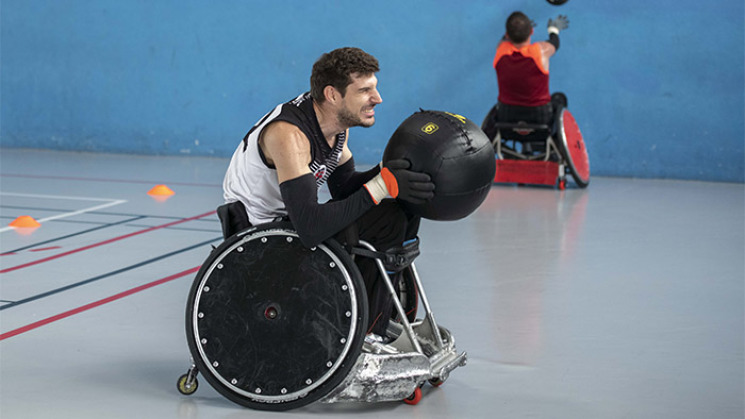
point(331, 94)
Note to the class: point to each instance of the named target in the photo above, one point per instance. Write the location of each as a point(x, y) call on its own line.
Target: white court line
point(109, 203)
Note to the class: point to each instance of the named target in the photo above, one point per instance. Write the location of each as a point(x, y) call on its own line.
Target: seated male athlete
point(522, 71)
point(281, 163)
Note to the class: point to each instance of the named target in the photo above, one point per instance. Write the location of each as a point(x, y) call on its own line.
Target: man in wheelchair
point(307, 301)
point(522, 69)
point(278, 168)
point(535, 138)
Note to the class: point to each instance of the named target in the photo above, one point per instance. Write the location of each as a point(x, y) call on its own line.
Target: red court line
point(41, 249)
point(91, 246)
point(95, 304)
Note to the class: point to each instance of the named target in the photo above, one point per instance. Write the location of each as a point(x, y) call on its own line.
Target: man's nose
point(377, 98)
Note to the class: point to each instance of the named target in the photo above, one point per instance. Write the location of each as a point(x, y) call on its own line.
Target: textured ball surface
point(454, 152)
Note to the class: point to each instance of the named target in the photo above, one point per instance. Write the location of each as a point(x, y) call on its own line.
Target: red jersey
point(521, 77)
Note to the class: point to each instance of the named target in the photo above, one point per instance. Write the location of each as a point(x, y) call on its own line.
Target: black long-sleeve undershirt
point(316, 222)
point(553, 39)
point(346, 180)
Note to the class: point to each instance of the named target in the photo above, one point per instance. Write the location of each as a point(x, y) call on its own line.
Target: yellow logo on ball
point(458, 117)
point(430, 128)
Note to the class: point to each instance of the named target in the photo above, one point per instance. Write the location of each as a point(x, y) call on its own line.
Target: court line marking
point(11, 304)
point(31, 246)
point(109, 203)
point(95, 304)
point(44, 196)
point(109, 213)
point(86, 179)
point(44, 249)
point(112, 240)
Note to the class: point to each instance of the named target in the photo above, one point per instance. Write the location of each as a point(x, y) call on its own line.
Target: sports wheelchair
point(274, 325)
point(541, 154)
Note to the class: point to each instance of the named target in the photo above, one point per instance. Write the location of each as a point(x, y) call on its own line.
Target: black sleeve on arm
point(345, 180)
point(553, 39)
point(316, 222)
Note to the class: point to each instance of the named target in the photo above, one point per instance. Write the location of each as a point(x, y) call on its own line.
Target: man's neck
point(328, 122)
point(521, 44)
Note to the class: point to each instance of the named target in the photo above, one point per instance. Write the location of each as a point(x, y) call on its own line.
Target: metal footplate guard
point(446, 360)
point(384, 373)
point(420, 351)
point(381, 377)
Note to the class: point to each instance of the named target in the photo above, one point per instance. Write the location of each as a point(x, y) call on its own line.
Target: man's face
point(358, 104)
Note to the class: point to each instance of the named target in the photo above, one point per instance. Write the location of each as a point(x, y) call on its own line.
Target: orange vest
point(521, 77)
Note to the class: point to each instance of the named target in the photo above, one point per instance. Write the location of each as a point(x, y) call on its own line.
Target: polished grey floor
point(624, 300)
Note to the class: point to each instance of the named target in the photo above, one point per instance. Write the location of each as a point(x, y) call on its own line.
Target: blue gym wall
point(656, 86)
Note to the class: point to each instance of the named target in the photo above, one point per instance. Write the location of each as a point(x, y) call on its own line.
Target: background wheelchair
point(274, 325)
point(539, 154)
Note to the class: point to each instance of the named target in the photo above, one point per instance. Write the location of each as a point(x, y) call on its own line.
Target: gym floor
point(622, 300)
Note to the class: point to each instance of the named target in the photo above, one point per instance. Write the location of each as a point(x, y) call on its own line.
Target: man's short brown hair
point(335, 69)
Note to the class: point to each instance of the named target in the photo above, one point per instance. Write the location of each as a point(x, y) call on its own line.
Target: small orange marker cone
point(160, 192)
point(24, 221)
point(24, 225)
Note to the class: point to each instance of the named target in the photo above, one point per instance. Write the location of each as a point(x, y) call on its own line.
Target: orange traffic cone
point(24, 221)
point(160, 192)
point(24, 225)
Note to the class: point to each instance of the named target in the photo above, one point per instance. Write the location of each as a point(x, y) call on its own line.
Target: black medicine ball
point(454, 152)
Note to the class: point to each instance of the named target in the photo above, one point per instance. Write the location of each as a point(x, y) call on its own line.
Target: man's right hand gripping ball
point(395, 179)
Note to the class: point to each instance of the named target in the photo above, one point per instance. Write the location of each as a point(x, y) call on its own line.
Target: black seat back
point(233, 218)
point(523, 132)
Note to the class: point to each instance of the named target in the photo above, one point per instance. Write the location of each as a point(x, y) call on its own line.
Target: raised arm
point(555, 26)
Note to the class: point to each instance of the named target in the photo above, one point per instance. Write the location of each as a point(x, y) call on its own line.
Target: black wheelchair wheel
point(273, 325)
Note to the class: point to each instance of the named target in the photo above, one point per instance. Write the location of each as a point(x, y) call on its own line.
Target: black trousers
point(530, 114)
point(384, 226)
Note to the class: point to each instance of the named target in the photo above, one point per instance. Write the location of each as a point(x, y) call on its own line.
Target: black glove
point(414, 187)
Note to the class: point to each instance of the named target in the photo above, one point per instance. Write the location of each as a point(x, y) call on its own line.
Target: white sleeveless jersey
point(252, 181)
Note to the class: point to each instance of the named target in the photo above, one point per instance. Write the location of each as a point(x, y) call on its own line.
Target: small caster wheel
point(187, 384)
point(415, 397)
point(436, 381)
